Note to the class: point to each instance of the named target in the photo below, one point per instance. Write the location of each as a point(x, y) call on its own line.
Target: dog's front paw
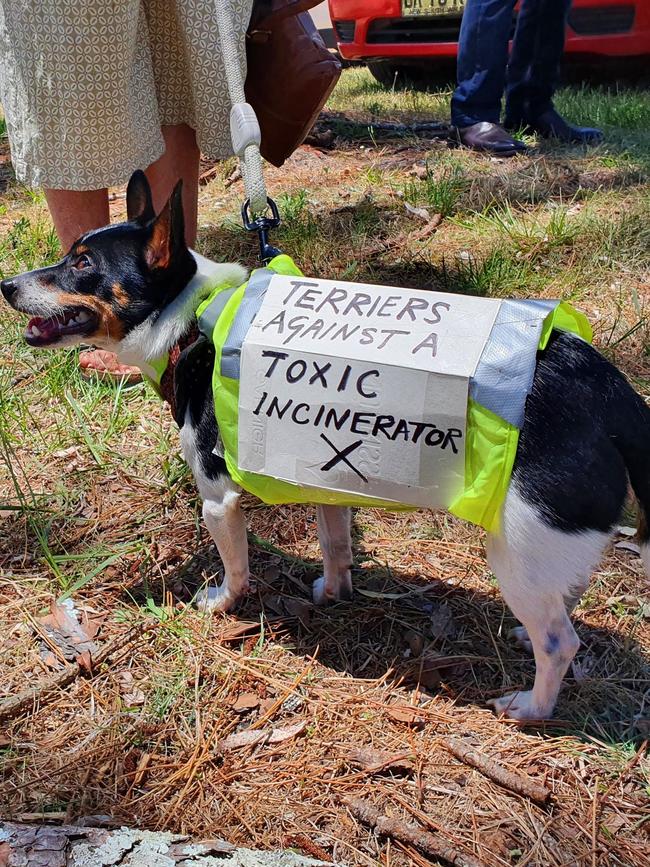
point(212, 599)
point(324, 595)
point(519, 705)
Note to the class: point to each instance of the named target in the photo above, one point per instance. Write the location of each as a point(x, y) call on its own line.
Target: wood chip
point(299, 608)
point(428, 672)
point(240, 629)
point(441, 623)
point(245, 702)
point(407, 832)
point(253, 737)
point(405, 714)
point(380, 761)
point(415, 641)
point(46, 690)
point(132, 695)
point(629, 546)
point(66, 636)
point(428, 230)
point(420, 213)
point(626, 531)
point(419, 171)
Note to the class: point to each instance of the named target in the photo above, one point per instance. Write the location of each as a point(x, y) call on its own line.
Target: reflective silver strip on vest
point(210, 316)
point(248, 310)
point(504, 375)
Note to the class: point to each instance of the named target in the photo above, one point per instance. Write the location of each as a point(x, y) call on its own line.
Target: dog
point(133, 288)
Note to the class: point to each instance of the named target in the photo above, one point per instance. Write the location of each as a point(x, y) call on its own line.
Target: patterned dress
point(86, 84)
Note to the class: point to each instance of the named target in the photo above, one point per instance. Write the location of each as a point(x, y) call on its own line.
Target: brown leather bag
point(290, 74)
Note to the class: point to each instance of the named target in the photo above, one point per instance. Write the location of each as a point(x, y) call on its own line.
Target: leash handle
point(246, 138)
point(244, 127)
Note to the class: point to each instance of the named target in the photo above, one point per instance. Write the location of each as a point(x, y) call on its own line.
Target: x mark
point(341, 455)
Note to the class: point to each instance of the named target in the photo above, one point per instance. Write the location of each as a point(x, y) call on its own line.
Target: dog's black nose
point(8, 288)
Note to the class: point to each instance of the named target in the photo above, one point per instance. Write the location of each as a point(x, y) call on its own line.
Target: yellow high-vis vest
point(494, 413)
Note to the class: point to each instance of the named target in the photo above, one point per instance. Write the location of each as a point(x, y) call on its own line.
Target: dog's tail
point(631, 436)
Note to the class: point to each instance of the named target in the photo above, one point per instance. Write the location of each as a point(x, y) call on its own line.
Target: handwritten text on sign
point(361, 389)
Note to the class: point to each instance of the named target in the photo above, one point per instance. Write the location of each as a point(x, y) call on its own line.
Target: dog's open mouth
point(75, 320)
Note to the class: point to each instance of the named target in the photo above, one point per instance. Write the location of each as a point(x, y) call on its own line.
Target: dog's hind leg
point(336, 546)
point(226, 524)
point(540, 569)
point(520, 633)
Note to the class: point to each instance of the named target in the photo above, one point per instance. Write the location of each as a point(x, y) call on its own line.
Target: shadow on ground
point(448, 639)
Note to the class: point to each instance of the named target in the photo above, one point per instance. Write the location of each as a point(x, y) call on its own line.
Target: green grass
point(496, 274)
point(440, 193)
point(28, 244)
point(359, 91)
point(625, 109)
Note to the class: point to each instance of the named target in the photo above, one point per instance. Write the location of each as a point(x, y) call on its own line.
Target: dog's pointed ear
point(139, 205)
point(167, 232)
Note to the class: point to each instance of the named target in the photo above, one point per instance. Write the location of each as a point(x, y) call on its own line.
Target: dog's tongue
point(45, 328)
point(74, 321)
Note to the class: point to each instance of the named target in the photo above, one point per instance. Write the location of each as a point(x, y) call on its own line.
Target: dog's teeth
point(82, 317)
point(35, 331)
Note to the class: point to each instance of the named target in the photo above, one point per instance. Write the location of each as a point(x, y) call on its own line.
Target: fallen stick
point(406, 832)
point(512, 780)
point(302, 841)
point(345, 124)
point(46, 689)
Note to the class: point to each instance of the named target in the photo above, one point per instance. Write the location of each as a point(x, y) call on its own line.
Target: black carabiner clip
point(262, 225)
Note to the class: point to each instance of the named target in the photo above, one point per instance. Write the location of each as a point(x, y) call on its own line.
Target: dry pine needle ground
point(95, 501)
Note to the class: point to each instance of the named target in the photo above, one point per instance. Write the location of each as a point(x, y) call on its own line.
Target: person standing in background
point(530, 77)
point(93, 89)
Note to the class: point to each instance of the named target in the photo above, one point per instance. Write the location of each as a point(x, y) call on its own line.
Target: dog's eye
point(82, 263)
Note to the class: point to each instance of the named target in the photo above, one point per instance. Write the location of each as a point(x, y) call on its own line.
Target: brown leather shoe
point(490, 137)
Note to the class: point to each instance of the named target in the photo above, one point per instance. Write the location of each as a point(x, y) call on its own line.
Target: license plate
point(416, 8)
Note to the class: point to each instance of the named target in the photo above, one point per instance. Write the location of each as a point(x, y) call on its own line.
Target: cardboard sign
point(361, 389)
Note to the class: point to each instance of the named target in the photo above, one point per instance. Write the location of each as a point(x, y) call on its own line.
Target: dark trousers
point(529, 79)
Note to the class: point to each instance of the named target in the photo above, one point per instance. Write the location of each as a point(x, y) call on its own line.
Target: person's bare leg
point(180, 161)
point(75, 212)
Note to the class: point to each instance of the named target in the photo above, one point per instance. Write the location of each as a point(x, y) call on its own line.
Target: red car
point(395, 35)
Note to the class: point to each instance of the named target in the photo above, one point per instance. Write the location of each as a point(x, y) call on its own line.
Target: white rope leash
point(244, 128)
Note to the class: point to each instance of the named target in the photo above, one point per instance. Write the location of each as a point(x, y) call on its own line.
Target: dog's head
point(111, 279)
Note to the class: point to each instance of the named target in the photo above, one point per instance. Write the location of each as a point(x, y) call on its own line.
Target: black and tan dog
point(134, 287)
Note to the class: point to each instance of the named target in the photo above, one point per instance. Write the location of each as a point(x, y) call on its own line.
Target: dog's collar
point(159, 343)
point(166, 387)
point(160, 371)
point(149, 343)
